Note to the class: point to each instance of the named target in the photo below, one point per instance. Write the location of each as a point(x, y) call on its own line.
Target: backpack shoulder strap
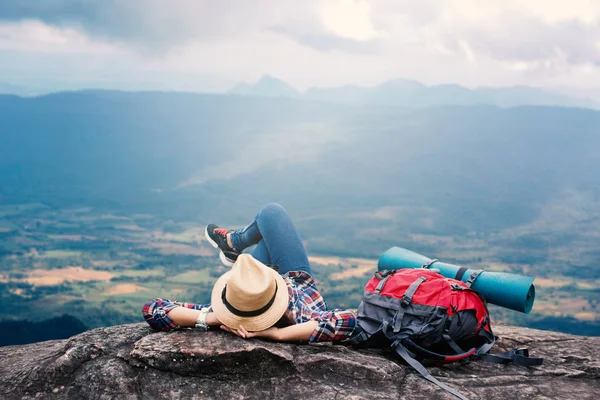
point(516, 356)
point(425, 353)
point(401, 350)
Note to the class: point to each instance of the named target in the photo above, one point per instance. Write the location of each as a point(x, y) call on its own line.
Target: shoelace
point(221, 231)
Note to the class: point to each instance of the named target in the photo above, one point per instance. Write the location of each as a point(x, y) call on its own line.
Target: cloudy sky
point(203, 45)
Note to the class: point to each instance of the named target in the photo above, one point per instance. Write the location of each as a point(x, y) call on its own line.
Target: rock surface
point(133, 362)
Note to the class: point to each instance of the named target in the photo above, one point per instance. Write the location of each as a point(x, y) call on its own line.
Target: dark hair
point(285, 320)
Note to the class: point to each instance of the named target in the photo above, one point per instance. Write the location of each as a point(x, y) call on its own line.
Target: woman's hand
point(293, 333)
point(269, 333)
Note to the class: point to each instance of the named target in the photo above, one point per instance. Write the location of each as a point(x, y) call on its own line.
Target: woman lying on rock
point(254, 300)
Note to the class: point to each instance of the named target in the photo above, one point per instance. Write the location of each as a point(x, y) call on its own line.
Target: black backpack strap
point(423, 371)
point(428, 354)
point(459, 274)
point(516, 356)
point(486, 347)
point(451, 343)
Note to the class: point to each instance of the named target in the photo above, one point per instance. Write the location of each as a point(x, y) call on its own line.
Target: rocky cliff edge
point(134, 362)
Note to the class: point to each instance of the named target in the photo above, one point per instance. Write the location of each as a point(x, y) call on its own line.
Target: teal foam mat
point(512, 291)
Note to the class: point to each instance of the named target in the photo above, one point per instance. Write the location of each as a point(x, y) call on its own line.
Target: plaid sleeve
point(334, 326)
point(193, 306)
point(155, 313)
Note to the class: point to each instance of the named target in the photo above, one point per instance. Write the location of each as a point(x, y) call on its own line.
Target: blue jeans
point(277, 240)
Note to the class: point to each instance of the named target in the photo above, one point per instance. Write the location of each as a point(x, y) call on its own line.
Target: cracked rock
point(134, 362)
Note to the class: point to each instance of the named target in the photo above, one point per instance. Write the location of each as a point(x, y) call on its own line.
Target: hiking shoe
point(217, 237)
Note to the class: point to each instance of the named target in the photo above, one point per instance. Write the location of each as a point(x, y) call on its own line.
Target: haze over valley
point(104, 195)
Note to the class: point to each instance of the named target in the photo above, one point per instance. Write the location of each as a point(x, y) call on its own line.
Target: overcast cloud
point(210, 45)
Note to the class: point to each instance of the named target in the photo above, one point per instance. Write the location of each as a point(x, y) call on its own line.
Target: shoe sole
point(226, 261)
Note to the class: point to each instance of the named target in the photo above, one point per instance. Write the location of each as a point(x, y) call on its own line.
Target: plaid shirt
point(305, 304)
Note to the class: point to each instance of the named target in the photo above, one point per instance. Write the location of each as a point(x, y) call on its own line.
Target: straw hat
point(251, 294)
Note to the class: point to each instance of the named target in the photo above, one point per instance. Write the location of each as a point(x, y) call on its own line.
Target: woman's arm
point(165, 315)
point(187, 317)
point(293, 333)
point(331, 326)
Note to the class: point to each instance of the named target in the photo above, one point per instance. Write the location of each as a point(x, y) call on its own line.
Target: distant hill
point(267, 86)
point(409, 93)
point(24, 331)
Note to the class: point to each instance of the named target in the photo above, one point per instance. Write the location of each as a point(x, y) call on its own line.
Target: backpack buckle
point(410, 292)
point(382, 274)
point(522, 352)
point(405, 302)
point(473, 277)
point(426, 266)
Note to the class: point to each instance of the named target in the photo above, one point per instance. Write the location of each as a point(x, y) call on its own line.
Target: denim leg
point(246, 236)
point(261, 253)
point(281, 241)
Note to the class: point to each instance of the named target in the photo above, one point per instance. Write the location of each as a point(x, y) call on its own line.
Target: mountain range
point(397, 92)
point(480, 167)
point(410, 93)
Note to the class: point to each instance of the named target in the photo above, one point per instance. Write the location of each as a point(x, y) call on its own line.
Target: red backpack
point(428, 319)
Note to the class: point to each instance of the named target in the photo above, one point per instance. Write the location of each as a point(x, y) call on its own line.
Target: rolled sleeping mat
point(512, 291)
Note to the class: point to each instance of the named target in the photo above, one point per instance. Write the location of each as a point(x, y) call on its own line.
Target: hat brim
point(256, 323)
